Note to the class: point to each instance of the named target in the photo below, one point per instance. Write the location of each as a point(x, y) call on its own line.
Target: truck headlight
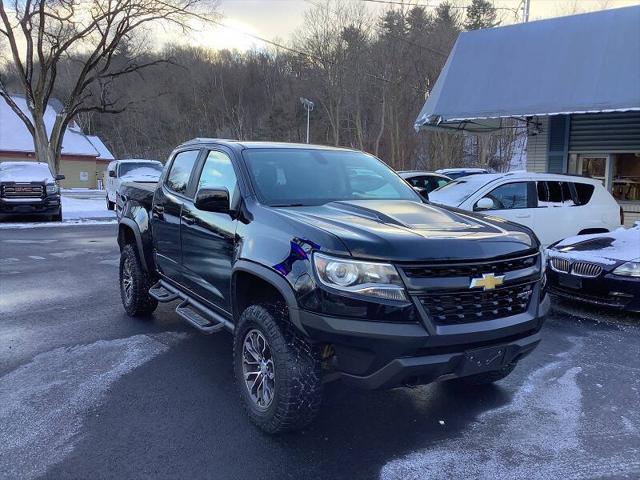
point(629, 269)
point(379, 280)
point(52, 189)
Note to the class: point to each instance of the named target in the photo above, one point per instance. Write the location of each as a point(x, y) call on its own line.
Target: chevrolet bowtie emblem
point(488, 281)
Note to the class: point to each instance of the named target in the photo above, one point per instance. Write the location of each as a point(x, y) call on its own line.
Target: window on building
point(626, 177)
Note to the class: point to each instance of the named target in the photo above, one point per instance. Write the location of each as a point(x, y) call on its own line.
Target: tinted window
point(555, 194)
point(314, 177)
point(181, 168)
point(419, 182)
point(584, 192)
point(510, 195)
point(218, 172)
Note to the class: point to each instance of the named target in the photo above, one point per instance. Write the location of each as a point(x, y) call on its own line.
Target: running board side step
point(192, 311)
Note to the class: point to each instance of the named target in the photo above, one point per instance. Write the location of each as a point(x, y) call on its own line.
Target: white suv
point(553, 206)
point(135, 170)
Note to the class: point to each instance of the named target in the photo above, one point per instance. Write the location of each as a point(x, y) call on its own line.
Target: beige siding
point(73, 171)
point(537, 146)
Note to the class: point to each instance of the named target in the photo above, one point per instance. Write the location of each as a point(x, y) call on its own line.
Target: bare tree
point(97, 37)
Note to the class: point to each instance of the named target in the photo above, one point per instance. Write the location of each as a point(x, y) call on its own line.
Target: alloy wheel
point(258, 369)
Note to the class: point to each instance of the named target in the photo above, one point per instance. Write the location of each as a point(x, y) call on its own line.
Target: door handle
point(188, 219)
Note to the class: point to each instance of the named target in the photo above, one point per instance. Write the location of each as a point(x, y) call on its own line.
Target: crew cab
point(132, 170)
point(325, 264)
point(29, 188)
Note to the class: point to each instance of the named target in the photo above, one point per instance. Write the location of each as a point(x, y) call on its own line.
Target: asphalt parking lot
point(86, 392)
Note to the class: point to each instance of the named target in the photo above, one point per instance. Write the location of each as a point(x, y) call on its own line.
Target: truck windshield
point(299, 177)
point(140, 168)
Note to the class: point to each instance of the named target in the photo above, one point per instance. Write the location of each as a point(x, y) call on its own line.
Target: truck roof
point(242, 144)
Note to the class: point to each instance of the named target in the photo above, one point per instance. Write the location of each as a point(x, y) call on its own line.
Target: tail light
point(621, 215)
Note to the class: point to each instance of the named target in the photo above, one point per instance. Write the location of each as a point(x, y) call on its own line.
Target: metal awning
point(577, 64)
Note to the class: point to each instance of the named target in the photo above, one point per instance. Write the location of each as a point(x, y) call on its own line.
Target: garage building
point(574, 81)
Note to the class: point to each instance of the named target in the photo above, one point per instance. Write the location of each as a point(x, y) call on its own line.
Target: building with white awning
point(574, 80)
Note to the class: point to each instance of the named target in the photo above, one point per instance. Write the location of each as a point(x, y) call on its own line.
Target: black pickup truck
point(325, 264)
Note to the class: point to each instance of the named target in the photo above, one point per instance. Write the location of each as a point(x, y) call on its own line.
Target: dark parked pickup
point(29, 188)
point(325, 264)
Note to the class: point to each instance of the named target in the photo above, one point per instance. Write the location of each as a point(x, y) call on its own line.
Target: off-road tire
point(138, 303)
point(110, 205)
point(298, 386)
point(484, 378)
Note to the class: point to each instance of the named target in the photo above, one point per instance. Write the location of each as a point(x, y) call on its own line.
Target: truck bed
point(141, 193)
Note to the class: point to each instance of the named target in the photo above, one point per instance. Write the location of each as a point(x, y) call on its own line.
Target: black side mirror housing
point(60, 177)
point(112, 173)
point(213, 200)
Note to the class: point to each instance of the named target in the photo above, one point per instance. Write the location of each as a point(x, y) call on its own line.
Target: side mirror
point(60, 177)
point(484, 204)
point(422, 192)
point(112, 173)
point(213, 200)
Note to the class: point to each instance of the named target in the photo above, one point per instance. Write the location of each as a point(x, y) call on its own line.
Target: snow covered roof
point(103, 151)
point(575, 64)
point(14, 136)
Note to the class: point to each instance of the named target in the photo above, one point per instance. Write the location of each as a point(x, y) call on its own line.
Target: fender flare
point(133, 226)
point(274, 279)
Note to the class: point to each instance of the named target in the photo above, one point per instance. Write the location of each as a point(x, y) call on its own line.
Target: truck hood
point(406, 231)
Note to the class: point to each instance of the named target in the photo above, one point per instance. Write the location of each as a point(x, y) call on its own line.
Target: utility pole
point(525, 10)
point(308, 106)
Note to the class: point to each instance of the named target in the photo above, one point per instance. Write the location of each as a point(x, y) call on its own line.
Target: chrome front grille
point(560, 265)
point(586, 269)
point(17, 190)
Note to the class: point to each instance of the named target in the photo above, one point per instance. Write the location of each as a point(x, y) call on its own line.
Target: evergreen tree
point(481, 14)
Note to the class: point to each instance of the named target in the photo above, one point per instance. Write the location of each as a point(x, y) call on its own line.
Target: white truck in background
point(129, 170)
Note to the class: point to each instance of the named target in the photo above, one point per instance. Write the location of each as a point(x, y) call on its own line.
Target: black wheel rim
point(258, 369)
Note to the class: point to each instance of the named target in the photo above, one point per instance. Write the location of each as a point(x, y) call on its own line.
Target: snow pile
point(25, 172)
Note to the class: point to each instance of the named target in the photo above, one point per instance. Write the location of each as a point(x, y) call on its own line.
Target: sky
point(278, 19)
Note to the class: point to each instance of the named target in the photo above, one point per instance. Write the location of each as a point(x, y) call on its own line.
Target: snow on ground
point(85, 208)
point(81, 206)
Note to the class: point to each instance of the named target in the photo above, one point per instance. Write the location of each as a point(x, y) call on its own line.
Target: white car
point(134, 170)
point(553, 206)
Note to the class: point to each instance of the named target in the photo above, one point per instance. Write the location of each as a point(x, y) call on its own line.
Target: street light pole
point(308, 106)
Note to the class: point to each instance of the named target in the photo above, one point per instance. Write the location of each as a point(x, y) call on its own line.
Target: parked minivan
point(553, 206)
point(133, 170)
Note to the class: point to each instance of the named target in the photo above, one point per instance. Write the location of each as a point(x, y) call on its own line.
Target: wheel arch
point(246, 274)
point(129, 232)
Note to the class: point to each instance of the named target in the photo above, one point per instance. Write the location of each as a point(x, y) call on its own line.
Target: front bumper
point(376, 355)
point(607, 290)
point(49, 205)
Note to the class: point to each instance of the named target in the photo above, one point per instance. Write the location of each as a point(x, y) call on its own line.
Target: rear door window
point(555, 194)
point(584, 191)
